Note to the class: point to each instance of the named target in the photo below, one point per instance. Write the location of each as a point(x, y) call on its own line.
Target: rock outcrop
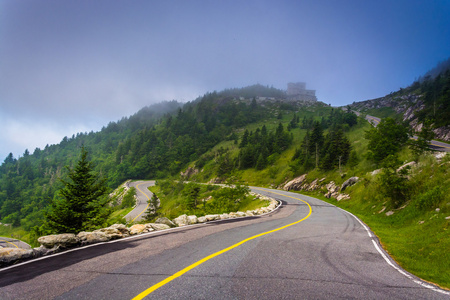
point(349, 182)
point(295, 184)
point(166, 221)
point(188, 173)
point(405, 105)
point(332, 189)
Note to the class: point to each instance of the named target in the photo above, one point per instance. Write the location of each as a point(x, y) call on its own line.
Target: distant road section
point(13, 243)
point(435, 145)
point(143, 195)
point(373, 120)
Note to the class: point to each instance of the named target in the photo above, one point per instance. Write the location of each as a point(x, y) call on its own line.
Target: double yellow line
point(1, 240)
point(196, 264)
point(148, 203)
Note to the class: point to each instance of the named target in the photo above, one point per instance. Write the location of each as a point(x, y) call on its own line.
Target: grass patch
point(177, 199)
point(18, 233)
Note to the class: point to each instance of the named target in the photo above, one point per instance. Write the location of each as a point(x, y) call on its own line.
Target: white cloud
point(22, 134)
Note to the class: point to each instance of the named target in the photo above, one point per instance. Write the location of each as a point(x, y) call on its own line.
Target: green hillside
point(236, 134)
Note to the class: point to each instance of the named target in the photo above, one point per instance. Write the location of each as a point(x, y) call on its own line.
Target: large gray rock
point(166, 221)
point(202, 219)
point(349, 182)
point(116, 231)
point(157, 226)
point(12, 255)
point(181, 220)
point(92, 237)
point(65, 240)
point(212, 217)
point(192, 219)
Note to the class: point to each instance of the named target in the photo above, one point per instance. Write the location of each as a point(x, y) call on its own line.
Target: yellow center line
point(188, 268)
point(137, 186)
point(1, 240)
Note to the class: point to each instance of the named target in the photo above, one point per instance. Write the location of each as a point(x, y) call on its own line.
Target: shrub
point(430, 199)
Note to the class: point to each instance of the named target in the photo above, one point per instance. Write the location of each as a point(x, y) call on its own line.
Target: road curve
point(320, 252)
point(143, 195)
point(13, 243)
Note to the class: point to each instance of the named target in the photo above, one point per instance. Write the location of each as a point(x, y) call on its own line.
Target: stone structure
point(298, 91)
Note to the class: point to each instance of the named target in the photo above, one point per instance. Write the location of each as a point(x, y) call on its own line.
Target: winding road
point(143, 195)
point(13, 243)
point(307, 249)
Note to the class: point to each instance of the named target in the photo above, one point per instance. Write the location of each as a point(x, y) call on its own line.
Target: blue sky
point(74, 66)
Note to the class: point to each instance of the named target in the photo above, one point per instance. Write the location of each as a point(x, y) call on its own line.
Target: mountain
point(156, 142)
point(426, 101)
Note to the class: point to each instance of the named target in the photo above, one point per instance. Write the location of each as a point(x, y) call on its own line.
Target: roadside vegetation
point(178, 197)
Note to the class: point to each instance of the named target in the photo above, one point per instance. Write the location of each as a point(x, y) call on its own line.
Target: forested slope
point(156, 142)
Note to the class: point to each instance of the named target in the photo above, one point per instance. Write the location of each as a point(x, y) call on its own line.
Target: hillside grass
point(383, 112)
point(173, 198)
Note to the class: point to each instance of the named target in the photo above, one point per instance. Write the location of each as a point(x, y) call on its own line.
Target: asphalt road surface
point(13, 243)
point(307, 249)
point(143, 195)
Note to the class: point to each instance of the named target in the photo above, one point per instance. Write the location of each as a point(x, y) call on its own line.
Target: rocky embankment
point(407, 106)
point(56, 243)
point(331, 189)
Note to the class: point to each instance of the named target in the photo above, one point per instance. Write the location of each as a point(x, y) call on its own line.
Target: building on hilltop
point(298, 91)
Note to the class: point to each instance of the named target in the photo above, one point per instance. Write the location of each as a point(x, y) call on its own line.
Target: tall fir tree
point(81, 205)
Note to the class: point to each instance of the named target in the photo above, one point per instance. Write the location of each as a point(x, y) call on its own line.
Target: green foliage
point(153, 208)
point(422, 143)
point(336, 150)
point(430, 198)
point(394, 185)
point(326, 152)
point(128, 199)
point(386, 139)
point(436, 100)
point(81, 205)
point(257, 147)
point(227, 199)
point(211, 199)
point(191, 192)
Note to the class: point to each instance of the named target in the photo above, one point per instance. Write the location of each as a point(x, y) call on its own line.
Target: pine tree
point(151, 211)
point(81, 205)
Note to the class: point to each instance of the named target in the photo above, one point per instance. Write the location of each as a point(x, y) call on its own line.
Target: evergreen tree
point(424, 137)
point(82, 205)
point(152, 209)
point(386, 139)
